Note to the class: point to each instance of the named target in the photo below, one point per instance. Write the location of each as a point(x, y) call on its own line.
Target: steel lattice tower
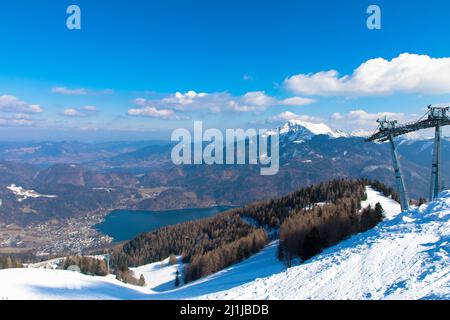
point(436, 117)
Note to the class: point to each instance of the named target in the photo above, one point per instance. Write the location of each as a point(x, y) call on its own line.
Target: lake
point(126, 224)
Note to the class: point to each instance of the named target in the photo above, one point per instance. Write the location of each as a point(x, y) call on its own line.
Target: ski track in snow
point(404, 257)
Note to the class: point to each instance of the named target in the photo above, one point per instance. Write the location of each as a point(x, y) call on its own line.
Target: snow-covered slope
point(60, 284)
point(298, 131)
point(307, 128)
point(47, 284)
point(160, 276)
point(391, 208)
point(405, 257)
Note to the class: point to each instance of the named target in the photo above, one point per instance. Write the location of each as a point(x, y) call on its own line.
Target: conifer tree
point(141, 281)
point(379, 209)
point(172, 260)
point(177, 279)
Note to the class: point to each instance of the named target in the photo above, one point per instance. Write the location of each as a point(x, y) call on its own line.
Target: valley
point(405, 257)
point(52, 194)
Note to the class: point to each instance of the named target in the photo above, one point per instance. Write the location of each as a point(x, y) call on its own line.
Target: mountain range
point(112, 175)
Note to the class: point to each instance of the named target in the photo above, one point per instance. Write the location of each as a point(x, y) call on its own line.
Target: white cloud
point(80, 91)
point(237, 107)
point(70, 92)
point(146, 108)
point(258, 99)
point(297, 101)
point(16, 120)
point(22, 122)
point(21, 116)
point(72, 113)
point(364, 118)
point(184, 98)
point(363, 123)
point(153, 112)
point(407, 73)
point(85, 111)
point(287, 116)
point(89, 108)
point(216, 102)
point(140, 102)
point(255, 101)
point(13, 104)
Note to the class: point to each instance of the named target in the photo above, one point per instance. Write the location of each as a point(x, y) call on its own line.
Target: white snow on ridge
point(406, 257)
point(23, 194)
point(263, 264)
point(391, 207)
point(46, 284)
point(160, 276)
point(314, 128)
point(306, 130)
point(298, 131)
point(61, 284)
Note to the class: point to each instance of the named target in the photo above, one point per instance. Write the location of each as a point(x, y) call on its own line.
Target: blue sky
point(233, 64)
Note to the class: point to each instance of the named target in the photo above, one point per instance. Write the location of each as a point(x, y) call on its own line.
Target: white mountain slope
point(298, 131)
point(405, 257)
point(160, 276)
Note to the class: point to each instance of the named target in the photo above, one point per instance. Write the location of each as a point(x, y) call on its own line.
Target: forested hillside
point(7, 262)
point(212, 244)
point(306, 233)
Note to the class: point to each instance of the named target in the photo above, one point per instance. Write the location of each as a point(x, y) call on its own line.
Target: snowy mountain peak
point(298, 130)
